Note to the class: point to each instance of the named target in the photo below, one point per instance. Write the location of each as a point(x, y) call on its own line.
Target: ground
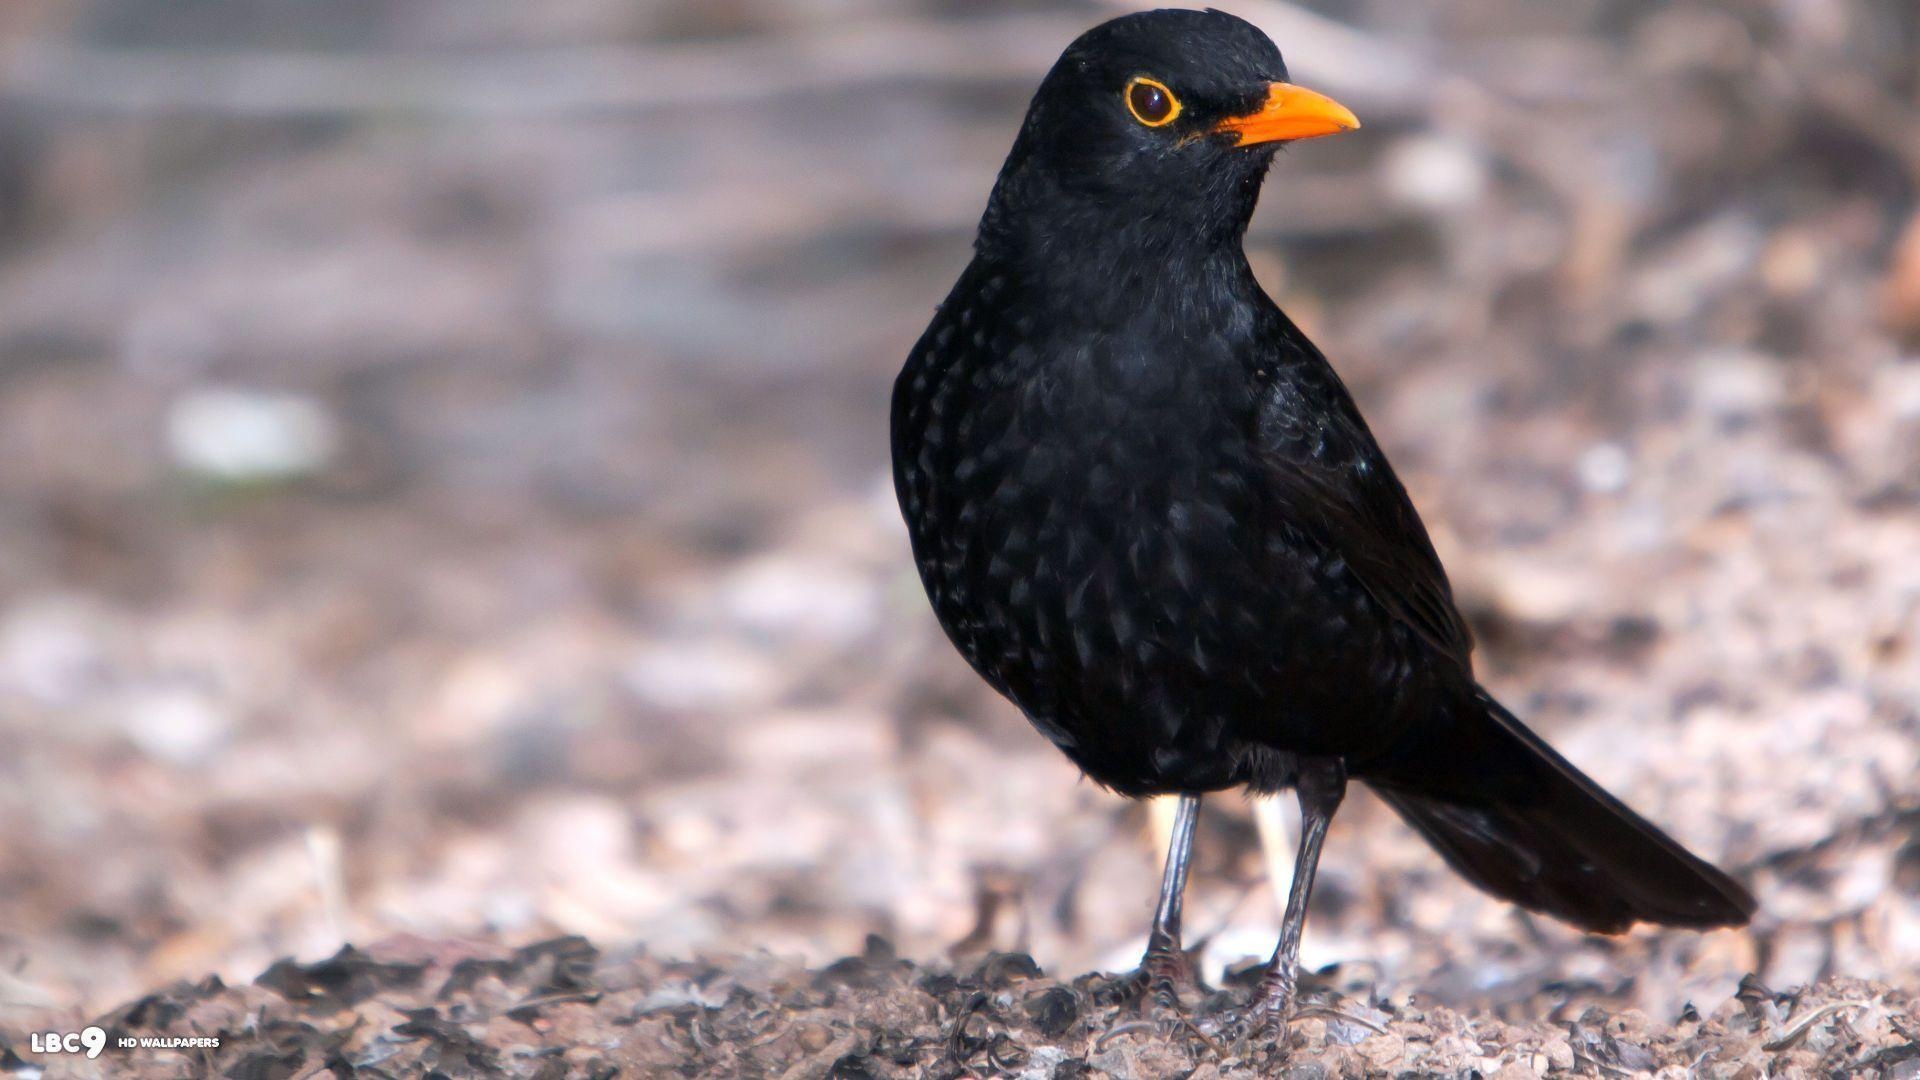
point(560, 1009)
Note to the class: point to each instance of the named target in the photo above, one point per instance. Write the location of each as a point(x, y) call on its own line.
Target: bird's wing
point(1330, 480)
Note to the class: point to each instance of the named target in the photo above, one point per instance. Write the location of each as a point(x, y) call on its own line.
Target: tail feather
point(1519, 821)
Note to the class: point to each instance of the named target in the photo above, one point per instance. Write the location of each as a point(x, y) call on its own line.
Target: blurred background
point(443, 477)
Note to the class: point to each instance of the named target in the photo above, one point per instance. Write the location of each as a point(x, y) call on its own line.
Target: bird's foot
point(1157, 990)
point(1164, 1016)
point(1165, 1009)
point(1267, 1018)
point(1164, 974)
point(1237, 1027)
point(1263, 1019)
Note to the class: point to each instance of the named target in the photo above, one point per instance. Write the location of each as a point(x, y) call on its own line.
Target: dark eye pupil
point(1150, 102)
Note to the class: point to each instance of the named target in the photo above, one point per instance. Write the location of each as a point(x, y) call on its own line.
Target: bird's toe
point(1262, 1020)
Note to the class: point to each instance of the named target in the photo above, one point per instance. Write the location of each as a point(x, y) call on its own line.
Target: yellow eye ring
point(1151, 102)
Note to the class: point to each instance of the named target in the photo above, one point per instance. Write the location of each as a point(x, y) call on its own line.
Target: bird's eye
point(1151, 102)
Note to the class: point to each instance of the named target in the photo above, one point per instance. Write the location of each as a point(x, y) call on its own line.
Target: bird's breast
point(1072, 507)
point(1097, 526)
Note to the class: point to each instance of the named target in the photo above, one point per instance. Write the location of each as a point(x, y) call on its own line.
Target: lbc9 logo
point(92, 1040)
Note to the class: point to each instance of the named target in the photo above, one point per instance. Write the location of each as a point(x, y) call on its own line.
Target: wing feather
point(1331, 481)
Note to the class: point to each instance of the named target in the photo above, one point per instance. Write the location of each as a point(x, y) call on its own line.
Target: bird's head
point(1161, 124)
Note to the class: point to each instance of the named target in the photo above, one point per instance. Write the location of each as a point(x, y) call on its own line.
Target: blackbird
point(1147, 511)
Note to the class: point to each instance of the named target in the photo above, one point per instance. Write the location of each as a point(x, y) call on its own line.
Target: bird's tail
point(1520, 822)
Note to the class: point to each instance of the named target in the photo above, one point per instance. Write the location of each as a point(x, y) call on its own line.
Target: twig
point(1799, 1030)
point(1327, 1013)
point(323, 850)
point(1118, 1030)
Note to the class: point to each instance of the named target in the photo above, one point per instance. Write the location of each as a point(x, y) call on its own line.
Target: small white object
point(1605, 468)
point(176, 726)
point(1434, 173)
point(241, 436)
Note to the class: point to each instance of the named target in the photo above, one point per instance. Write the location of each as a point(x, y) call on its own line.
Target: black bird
point(1147, 511)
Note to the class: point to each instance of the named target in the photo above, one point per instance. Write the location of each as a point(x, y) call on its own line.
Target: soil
point(560, 1009)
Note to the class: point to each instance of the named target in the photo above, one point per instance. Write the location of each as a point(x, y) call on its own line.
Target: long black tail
point(1520, 822)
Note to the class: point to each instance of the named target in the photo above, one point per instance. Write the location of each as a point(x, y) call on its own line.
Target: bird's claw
point(1238, 1026)
point(1264, 1019)
point(1164, 1008)
point(1166, 1016)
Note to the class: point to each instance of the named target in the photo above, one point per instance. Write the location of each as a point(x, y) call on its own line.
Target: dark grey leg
point(1322, 783)
point(1165, 964)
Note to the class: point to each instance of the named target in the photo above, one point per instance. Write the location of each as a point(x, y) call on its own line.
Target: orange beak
point(1291, 112)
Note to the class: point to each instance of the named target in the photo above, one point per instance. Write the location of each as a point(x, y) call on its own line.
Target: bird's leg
point(1320, 785)
point(1165, 963)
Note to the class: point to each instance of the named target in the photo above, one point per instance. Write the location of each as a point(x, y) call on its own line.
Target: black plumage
point(1146, 509)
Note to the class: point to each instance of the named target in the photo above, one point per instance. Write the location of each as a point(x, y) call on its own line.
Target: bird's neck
point(1107, 279)
point(1090, 252)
